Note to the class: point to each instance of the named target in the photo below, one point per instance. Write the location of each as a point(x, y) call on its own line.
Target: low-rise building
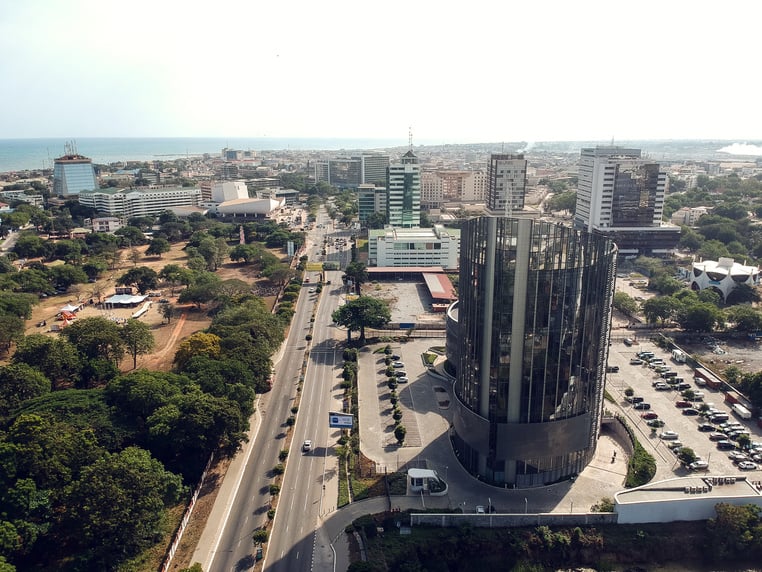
point(688, 216)
point(722, 276)
point(128, 203)
point(400, 247)
point(106, 224)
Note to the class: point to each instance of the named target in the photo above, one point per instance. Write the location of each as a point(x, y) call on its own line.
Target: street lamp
point(489, 505)
point(526, 505)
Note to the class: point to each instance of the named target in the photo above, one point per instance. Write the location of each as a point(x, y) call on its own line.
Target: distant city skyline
point(485, 71)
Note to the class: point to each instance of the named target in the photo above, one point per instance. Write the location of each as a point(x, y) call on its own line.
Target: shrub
point(629, 392)
point(283, 454)
point(260, 535)
point(290, 421)
point(279, 469)
point(295, 409)
point(274, 489)
point(397, 415)
point(388, 349)
point(399, 433)
point(308, 337)
point(393, 399)
point(271, 513)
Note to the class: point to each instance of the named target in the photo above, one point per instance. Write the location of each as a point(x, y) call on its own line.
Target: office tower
point(403, 203)
point(370, 199)
point(373, 169)
point(73, 174)
point(622, 195)
point(506, 184)
point(528, 339)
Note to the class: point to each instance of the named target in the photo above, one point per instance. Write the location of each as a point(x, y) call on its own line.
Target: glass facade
point(532, 326)
point(72, 175)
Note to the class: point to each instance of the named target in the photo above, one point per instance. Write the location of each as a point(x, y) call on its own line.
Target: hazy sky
point(456, 71)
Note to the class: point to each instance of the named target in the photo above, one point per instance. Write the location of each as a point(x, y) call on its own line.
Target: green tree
point(565, 201)
point(198, 344)
point(358, 273)
point(167, 311)
point(735, 530)
point(17, 304)
point(117, 507)
point(18, 383)
point(743, 294)
point(700, 317)
point(660, 309)
point(202, 290)
point(686, 455)
point(361, 313)
point(158, 247)
point(176, 275)
point(142, 277)
point(137, 338)
point(56, 357)
point(11, 330)
point(625, 303)
point(95, 338)
point(65, 275)
point(376, 220)
point(746, 318)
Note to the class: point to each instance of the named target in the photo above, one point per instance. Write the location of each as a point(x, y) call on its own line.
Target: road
point(294, 543)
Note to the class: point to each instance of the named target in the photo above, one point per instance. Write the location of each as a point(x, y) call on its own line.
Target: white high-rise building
point(507, 182)
point(403, 206)
point(622, 195)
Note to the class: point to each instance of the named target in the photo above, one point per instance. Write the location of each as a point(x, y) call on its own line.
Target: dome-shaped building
point(722, 276)
point(529, 341)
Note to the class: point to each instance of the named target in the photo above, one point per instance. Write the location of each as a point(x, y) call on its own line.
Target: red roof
point(439, 286)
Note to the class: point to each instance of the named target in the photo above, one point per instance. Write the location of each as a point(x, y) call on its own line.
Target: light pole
point(526, 505)
point(489, 505)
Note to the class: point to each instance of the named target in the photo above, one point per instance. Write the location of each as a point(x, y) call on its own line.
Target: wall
point(513, 520)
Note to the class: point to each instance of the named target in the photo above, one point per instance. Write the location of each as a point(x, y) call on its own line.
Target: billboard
point(340, 420)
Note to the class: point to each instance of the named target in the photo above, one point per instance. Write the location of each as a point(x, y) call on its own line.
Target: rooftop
point(690, 488)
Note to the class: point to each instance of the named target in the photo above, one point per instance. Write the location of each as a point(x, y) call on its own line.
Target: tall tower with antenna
point(403, 186)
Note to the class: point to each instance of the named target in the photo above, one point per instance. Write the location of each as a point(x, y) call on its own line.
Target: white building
point(249, 208)
point(106, 224)
point(685, 498)
point(688, 216)
point(440, 187)
point(722, 276)
point(402, 247)
point(506, 184)
point(229, 190)
point(127, 203)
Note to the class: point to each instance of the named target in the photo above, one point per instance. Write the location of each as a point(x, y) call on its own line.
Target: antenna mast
point(410, 138)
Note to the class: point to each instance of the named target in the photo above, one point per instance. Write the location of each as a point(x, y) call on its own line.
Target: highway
point(295, 540)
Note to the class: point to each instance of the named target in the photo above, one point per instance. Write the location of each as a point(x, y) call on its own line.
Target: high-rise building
point(622, 195)
point(350, 172)
point(445, 186)
point(373, 169)
point(370, 199)
point(403, 203)
point(73, 174)
point(528, 339)
point(506, 184)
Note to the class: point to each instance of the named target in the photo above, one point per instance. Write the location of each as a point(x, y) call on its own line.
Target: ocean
point(21, 154)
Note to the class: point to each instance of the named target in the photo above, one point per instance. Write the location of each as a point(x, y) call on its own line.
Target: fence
point(512, 520)
point(186, 517)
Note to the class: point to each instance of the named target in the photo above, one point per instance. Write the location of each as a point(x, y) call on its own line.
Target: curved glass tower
point(529, 340)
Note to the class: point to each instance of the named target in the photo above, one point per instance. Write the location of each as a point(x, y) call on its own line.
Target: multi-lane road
point(309, 487)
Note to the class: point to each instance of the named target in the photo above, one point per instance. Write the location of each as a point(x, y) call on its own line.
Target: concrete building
point(441, 186)
point(290, 196)
point(127, 203)
point(685, 498)
point(350, 172)
point(228, 191)
point(73, 174)
point(688, 216)
point(722, 276)
point(528, 339)
point(404, 247)
point(248, 208)
point(403, 202)
point(621, 195)
point(370, 199)
point(106, 224)
point(36, 200)
point(506, 184)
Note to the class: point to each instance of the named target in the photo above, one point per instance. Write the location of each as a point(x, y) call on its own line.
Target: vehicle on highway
point(683, 403)
point(642, 405)
point(307, 446)
point(655, 423)
point(650, 415)
point(706, 427)
point(690, 411)
point(668, 436)
point(718, 437)
point(747, 465)
point(398, 364)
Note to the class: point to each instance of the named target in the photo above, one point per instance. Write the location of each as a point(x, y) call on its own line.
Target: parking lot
point(663, 403)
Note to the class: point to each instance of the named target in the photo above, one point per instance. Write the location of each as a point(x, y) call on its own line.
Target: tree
point(117, 506)
point(700, 317)
point(565, 201)
point(361, 313)
point(198, 344)
point(19, 382)
point(746, 318)
point(660, 309)
point(175, 274)
point(735, 530)
point(167, 311)
point(399, 433)
point(138, 339)
point(743, 294)
point(65, 275)
point(17, 304)
point(142, 277)
point(625, 303)
point(95, 338)
point(686, 455)
point(357, 272)
point(130, 236)
point(158, 247)
point(11, 330)
point(376, 220)
point(56, 357)
point(203, 289)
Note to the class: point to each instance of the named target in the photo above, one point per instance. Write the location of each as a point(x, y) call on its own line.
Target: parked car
point(650, 415)
point(636, 361)
point(668, 436)
point(612, 369)
point(706, 427)
point(747, 465)
point(683, 385)
point(690, 411)
point(635, 399)
point(683, 403)
point(725, 445)
point(737, 456)
point(698, 466)
point(395, 357)
point(402, 379)
point(675, 445)
point(717, 437)
point(401, 374)
point(661, 386)
point(642, 405)
point(655, 423)
point(398, 364)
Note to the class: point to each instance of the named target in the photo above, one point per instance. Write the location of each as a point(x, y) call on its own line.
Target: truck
point(704, 377)
point(678, 356)
point(741, 411)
